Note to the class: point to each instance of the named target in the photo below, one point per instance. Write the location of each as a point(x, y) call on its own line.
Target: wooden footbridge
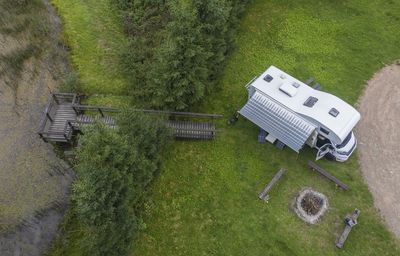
point(64, 117)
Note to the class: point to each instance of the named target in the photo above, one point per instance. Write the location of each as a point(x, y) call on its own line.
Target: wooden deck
point(64, 116)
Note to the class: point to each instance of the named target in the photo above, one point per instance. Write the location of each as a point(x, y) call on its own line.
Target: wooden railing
point(80, 108)
point(54, 100)
point(174, 113)
point(47, 115)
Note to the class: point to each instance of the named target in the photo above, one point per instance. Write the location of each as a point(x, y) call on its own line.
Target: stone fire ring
point(302, 213)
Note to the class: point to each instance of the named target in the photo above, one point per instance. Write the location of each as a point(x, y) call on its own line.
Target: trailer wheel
point(330, 157)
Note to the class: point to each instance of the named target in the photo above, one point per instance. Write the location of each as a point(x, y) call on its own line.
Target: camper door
point(323, 150)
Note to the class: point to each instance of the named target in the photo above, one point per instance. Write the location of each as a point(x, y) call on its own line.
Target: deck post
point(101, 112)
point(55, 99)
point(49, 117)
point(76, 111)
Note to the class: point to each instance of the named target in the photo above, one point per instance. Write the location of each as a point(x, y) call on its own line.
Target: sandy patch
point(379, 142)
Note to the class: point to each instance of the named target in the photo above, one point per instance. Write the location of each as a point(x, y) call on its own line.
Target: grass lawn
point(93, 30)
point(205, 201)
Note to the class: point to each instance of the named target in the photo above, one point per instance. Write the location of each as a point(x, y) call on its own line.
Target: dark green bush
point(177, 48)
point(114, 168)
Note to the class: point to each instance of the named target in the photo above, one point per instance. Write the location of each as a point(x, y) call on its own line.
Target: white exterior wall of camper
point(297, 114)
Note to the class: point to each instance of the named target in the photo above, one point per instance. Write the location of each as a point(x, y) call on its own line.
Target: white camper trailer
point(295, 114)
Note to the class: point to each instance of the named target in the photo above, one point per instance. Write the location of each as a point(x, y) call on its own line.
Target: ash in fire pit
point(310, 205)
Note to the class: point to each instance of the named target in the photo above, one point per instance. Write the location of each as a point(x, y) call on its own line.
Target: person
point(350, 222)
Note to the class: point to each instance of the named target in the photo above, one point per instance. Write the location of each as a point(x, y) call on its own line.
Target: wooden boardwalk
point(64, 116)
point(192, 130)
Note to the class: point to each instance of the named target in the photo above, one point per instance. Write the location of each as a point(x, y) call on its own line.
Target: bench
point(313, 166)
point(264, 194)
point(350, 221)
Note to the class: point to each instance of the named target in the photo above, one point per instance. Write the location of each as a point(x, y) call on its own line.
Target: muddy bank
point(34, 235)
point(34, 182)
point(379, 141)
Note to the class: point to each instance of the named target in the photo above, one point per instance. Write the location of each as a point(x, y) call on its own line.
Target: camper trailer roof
point(326, 109)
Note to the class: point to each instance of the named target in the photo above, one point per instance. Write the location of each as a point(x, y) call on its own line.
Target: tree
point(177, 48)
point(114, 168)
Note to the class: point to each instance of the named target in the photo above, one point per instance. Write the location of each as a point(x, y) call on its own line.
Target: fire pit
point(310, 205)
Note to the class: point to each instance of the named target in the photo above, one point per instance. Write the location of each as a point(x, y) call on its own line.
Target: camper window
point(268, 78)
point(310, 102)
point(334, 112)
point(345, 141)
point(324, 130)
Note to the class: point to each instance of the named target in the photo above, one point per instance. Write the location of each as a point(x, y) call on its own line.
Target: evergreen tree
point(177, 48)
point(114, 168)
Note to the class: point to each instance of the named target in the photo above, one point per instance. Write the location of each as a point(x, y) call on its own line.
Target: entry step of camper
point(263, 136)
point(270, 138)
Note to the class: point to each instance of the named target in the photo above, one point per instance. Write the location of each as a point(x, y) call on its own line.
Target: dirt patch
point(379, 139)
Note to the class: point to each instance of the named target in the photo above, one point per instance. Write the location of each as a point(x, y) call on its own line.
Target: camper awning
point(285, 125)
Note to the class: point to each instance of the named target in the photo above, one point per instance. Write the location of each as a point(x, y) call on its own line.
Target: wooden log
point(343, 237)
point(264, 194)
point(313, 166)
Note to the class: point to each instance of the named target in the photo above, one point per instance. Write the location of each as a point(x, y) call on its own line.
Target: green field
point(205, 200)
point(93, 30)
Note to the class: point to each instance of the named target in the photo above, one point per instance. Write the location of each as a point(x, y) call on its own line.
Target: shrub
point(114, 168)
point(177, 48)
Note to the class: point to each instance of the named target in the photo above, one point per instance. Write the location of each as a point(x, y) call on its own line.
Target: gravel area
point(379, 140)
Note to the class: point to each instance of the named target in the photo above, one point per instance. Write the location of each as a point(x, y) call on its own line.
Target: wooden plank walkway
point(56, 131)
point(192, 130)
point(64, 116)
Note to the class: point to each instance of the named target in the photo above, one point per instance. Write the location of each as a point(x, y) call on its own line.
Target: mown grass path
point(205, 201)
point(93, 31)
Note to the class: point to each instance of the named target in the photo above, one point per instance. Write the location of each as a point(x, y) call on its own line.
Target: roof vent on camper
point(268, 78)
point(288, 89)
point(296, 84)
point(310, 102)
point(334, 112)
